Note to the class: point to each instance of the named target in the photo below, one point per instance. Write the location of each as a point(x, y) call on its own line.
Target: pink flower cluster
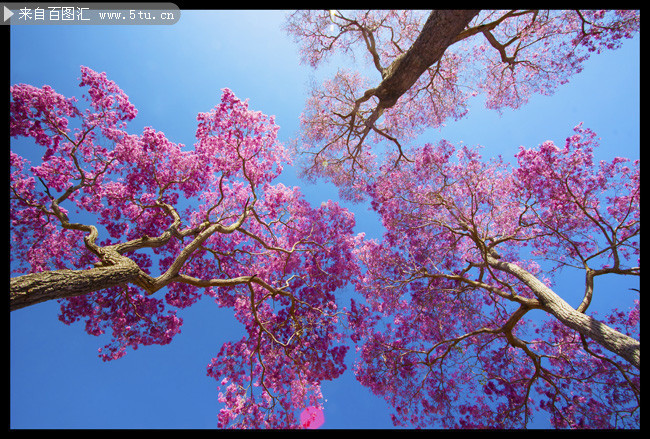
point(271, 257)
point(441, 312)
point(133, 319)
point(506, 55)
point(446, 214)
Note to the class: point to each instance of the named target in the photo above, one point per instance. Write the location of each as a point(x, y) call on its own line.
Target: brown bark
point(115, 268)
point(34, 288)
point(439, 32)
point(612, 340)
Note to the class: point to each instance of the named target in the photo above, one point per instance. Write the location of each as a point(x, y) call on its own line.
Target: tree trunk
point(439, 32)
point(612, 340)
point(34, 288)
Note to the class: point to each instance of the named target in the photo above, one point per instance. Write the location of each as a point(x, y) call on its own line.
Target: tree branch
point(612, 340)
point(440, 31)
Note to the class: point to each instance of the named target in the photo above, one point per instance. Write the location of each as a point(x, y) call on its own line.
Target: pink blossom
point(209, 218)
point(505, 55)
point(441, 302)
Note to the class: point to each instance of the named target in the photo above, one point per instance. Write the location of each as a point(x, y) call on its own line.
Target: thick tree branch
point(612, 340)
point(34, 288)
point(439, 32)
point(113, 269)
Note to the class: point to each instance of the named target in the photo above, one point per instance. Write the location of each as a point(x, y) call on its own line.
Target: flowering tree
point(429, 65)
point(452, 284)
point(211, 221)
point(459, 298)
point(459, 295)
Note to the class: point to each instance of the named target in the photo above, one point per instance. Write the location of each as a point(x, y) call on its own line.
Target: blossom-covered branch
point(429, 65)
point(101, 206)
point(468, 261)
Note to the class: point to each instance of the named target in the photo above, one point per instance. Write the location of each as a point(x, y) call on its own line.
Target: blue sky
point(170, 74)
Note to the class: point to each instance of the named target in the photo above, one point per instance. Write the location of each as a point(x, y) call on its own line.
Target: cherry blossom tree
point(470, 253)
point(125, 230)
point(429, 65)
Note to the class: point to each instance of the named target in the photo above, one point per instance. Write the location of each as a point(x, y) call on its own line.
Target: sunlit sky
point(171, 73)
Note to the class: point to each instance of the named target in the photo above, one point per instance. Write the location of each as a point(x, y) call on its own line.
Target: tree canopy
point(126, 229)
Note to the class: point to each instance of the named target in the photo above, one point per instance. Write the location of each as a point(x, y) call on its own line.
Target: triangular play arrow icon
point(7, 14)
